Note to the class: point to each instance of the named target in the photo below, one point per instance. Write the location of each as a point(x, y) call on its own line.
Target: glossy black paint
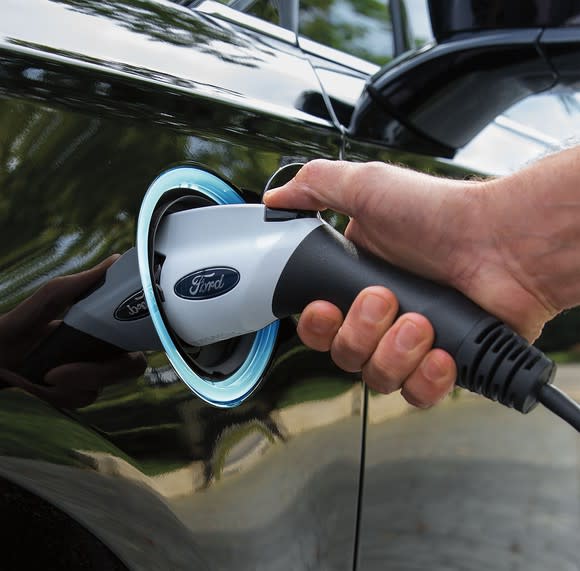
point(467, 484)
point(450, 17)
point(94, 103)
point(96, 98)
point(562, 47)
point(407, 104)
point(489, 56)
point(72, 548)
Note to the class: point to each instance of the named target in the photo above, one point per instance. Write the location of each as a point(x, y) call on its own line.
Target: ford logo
point(207, 283)
point(134, 307)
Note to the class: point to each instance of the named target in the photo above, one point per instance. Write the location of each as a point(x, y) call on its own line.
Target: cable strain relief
point(499, 364)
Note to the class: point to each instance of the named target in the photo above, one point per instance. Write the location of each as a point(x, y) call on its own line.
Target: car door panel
point(468, 484)
point(96, 99)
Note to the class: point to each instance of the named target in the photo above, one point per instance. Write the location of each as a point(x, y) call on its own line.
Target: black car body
point(97, 97)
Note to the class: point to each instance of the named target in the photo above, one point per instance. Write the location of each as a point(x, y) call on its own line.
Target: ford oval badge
point(207, 283)
point(134, 307)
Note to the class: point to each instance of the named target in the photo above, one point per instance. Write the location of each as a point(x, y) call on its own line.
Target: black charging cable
point(561, 405)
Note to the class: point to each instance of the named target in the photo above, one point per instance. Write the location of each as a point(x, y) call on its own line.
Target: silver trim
point(241, 5)
point(336, 56)
point(271, 109)
point(217, 10)
point(310, 47)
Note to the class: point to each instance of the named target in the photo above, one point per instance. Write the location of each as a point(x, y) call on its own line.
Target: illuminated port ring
point(235, 388)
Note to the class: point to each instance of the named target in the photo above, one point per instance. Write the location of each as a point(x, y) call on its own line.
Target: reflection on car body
point(312, 472)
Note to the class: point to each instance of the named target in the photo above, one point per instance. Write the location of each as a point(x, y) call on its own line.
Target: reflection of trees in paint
point(142, 419)
point(72, 183)
point(72, 186)
point(170, 25)
point(358, 27)
point(65, 203)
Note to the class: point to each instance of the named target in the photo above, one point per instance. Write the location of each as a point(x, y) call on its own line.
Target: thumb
point(318, 185)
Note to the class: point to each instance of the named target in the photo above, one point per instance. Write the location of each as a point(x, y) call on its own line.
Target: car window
point(361, 28)
point(265, 10)
point(358, 27)
point(534, 127)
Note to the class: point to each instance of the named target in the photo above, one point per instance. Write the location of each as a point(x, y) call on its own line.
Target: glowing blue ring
point(239, 385)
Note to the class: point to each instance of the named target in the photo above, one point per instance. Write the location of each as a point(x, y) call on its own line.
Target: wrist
point(467, 225)
point(522, 244)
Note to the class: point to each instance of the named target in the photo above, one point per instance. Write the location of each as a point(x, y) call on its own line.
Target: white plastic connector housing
point(228, 236)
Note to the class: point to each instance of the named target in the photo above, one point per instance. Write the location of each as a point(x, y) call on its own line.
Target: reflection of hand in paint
point(73, 385)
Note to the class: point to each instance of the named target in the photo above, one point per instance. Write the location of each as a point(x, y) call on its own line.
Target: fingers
point(319, 184)
point(97, 374)
point(392, 354)
point(318, 325)
point(404, 360)
point(54, 297)
point(352, 340)
point(57, 396)
point(76, 385)
point(433, 380)
point(128, 366)
point(368, 319)
point(14, 380)
point(399, 353)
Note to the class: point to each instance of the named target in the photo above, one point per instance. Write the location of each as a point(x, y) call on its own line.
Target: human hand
point(438, 228)
point(73, 385)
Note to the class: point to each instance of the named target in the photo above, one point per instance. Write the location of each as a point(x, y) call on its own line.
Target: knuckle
point(361, 341)
point(51, 288)
point(382, 376)
point(348, 353)
point(49, 294)
point(312, 169)
point(374, 167)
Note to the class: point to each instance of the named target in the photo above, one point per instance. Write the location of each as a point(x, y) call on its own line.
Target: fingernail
point(374, 308)
point(321, 325)
point(408, 336)
point(433, 369)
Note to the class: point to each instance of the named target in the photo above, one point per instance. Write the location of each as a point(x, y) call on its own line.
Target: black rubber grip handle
point(66, 345)
point(491, 359)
